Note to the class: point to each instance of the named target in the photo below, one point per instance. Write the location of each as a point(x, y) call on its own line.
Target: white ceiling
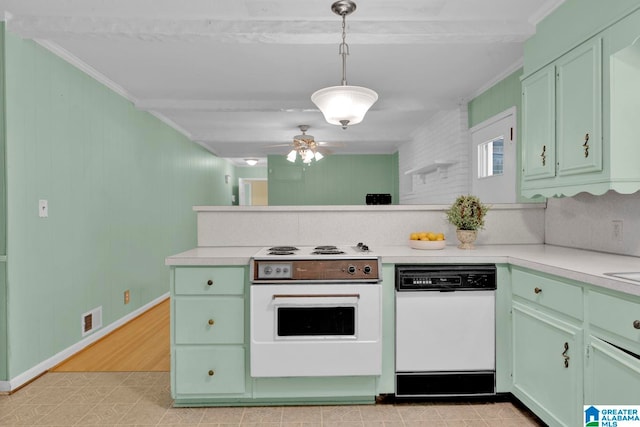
point(236, 76)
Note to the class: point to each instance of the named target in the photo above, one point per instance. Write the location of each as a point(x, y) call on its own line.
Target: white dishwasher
point(445, 330)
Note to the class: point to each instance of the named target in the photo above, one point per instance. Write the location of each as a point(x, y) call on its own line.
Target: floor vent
point(91, 320)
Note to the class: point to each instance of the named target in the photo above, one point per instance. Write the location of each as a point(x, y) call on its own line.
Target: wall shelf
point(440, 166)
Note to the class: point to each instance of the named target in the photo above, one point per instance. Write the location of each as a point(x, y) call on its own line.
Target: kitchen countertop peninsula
point(576, 264)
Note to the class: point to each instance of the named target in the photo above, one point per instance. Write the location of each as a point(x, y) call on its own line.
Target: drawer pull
point(211, 373)
point(564, 354)
point(211, 322)
point(209, 282)
point(537, 290)
point(636, 324)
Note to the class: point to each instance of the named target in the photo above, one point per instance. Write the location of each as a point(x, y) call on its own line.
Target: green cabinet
point(579, 117)
point(562, 121)
point(547, 365)
point(573, 344)
point(547, 346)
point(538, 125)
point(208, 334)
point(612, 375)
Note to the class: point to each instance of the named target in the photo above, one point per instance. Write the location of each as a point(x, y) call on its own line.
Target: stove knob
point(268, 270)
point(277, 269)
point(351, 269)
point(366, 269)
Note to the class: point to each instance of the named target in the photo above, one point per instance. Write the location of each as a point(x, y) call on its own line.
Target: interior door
point(493, 158)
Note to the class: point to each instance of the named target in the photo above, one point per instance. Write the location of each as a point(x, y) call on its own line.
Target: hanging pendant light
point(344, 105)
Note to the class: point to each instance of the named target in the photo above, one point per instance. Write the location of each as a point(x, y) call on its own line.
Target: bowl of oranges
point(427, 240)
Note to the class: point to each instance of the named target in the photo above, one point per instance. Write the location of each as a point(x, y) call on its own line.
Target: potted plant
point(467, 214)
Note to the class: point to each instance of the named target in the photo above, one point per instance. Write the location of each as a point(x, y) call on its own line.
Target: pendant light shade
point(344, 105)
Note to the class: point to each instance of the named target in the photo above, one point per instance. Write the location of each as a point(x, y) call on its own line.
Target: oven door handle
point(278, 296)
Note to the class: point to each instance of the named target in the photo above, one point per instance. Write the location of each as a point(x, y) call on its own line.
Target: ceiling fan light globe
point(292, 156)
point(344, 103)
point(318, 156)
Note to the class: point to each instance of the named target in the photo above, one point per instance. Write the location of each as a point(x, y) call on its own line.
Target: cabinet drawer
point(616, 315)
point(211, 369)
point(205, 320)
point(209, 280)
point(548, 292)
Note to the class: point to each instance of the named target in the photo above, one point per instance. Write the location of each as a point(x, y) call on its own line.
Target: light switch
point(43, 208)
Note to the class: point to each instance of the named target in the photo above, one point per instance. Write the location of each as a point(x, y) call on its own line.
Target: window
point(491, 157)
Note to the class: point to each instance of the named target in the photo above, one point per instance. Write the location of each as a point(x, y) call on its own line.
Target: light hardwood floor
point(140, 345)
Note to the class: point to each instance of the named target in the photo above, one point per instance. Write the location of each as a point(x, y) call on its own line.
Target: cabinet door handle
point(543, 156)
point(211, 322)
point(564, 354)
point(209, 282)
point(537, 290)
point(211, 372)
point(636, 324)
point(586, 145)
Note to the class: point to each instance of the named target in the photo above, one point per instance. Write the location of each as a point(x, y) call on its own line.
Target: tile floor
point(143, 399)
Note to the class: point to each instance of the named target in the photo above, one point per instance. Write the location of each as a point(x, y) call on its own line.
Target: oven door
point(315, 330)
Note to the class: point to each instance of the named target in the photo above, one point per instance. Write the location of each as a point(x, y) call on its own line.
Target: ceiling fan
point(306, 147)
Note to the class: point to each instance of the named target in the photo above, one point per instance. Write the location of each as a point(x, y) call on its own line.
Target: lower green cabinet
point(574, 344)
point(208, 333)
point(547, 365)
point(612, 375)
point(205, 370)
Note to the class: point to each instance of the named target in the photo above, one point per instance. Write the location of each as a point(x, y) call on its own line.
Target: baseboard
point(42, 367)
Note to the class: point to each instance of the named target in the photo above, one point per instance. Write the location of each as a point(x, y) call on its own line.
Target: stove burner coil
point(283, 249)
point(280, 252)
point(327, 252)
point(326, 248)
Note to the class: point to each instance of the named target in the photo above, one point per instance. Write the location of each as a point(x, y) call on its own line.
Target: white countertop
point(583, 266)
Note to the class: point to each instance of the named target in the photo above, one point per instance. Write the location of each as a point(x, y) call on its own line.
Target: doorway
point(493, 158)
point(253, 192)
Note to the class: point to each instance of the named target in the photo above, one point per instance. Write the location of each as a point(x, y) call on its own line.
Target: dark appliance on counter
point(445, 330)
point(378, 199)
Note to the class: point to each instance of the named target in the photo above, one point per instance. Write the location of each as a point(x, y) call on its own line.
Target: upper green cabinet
point(580, 117)
point(562, 122)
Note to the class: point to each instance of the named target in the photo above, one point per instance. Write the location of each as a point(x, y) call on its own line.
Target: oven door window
point(316, 322)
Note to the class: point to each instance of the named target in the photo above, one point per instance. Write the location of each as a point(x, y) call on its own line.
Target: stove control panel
point(334, 270)
point(274, 270)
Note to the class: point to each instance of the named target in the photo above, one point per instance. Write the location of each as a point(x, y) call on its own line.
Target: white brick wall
point(444, 137)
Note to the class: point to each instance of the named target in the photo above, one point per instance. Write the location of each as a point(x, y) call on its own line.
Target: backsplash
point(585, 221)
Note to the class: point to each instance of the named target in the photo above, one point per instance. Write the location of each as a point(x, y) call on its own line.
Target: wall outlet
point(127, 296)
point(616, 230)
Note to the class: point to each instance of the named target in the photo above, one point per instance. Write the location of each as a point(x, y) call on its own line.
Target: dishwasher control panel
point(446, 277)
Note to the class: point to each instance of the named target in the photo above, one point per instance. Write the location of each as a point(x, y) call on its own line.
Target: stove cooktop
point(315, 252)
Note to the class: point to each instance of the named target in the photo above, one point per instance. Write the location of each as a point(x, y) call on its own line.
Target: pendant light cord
point(344, 49)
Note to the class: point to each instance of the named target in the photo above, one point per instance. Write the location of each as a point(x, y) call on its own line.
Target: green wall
point(498, 98)
point(120, 186)
point(335, 180)
point(570, 24)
